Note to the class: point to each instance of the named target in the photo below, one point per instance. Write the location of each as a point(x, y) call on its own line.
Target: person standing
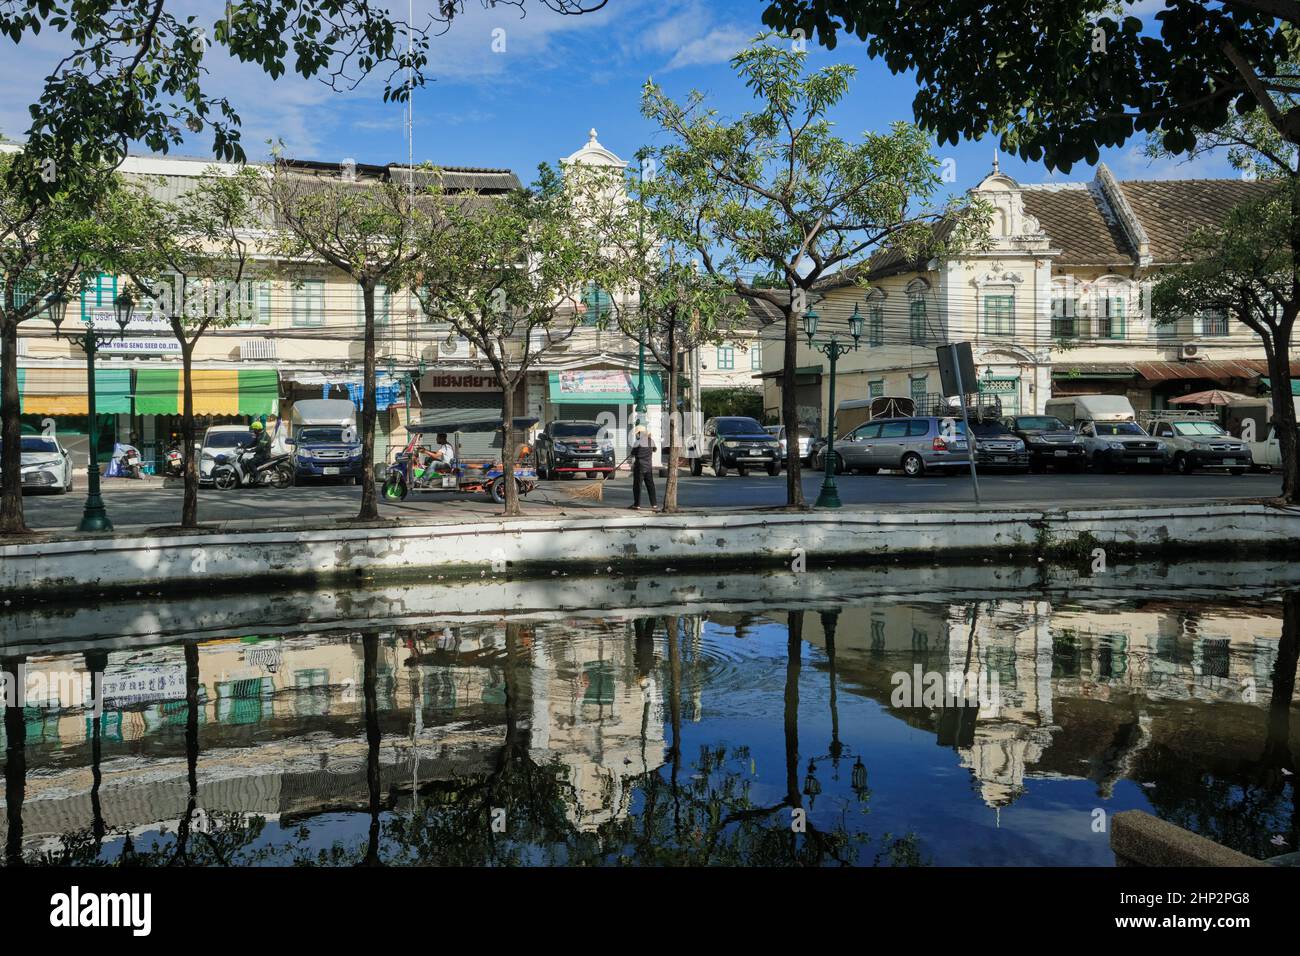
point(643, 453)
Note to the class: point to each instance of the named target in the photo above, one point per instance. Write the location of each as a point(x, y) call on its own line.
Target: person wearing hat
point(261, 443)
point(643, 450)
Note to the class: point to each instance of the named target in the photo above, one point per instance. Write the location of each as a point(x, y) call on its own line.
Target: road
point(134, 505)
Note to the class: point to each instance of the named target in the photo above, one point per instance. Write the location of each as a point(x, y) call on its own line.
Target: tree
point(43, 247)
point(193, 256)
point(506, 275)
point(138, 70)
point(1245, 268)
point(1059, 82)
point(365, 228)
point(777, 191)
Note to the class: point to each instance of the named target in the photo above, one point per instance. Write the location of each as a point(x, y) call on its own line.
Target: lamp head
point(855, 324)
point(124, 305)
point(810, 319)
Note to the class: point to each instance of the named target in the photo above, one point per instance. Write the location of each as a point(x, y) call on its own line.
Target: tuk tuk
point(414, 469)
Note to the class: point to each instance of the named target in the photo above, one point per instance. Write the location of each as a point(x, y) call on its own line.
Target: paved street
point(134, 505)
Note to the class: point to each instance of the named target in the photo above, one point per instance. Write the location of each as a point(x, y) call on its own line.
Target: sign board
point(459, 382)
point(589, 381)
point(952, 359)
point(124, 686)
point(154, 334)
point(142, 346)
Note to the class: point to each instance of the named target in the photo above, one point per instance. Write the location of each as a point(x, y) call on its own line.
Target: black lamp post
point(95, 516)
point(832, 348)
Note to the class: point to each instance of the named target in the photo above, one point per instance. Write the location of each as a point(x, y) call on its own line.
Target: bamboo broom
point(593, 491)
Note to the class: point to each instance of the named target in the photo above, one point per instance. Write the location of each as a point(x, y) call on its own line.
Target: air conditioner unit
point(1189, 351)
point(257, 349)
point(454, 348)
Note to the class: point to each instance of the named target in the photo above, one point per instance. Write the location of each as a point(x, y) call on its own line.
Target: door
point(855, 450)
point(888, 449)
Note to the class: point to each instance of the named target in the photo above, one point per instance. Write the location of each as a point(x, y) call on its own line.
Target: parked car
point(805, 441)
point(731, 441)
point(1112, 438)
point(219, 439)
point(1049, 441)
point(44, 463)
point(911, 445)
point(1201, 443)
point(996, 446)
point(323, 435)
point(567, 448)
point(1268, 453)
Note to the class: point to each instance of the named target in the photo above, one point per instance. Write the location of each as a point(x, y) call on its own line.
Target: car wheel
point(593, 475)
point(774, 469)
point(1183, 464)
point(719, 469)
point(913, 466)
point(839, 464)
point(697, 467)
point(542, 471)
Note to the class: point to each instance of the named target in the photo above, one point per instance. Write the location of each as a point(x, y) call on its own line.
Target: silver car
point(910, 445)
point(805, 441)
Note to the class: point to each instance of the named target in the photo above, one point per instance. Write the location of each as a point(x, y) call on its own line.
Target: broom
point(592, 491)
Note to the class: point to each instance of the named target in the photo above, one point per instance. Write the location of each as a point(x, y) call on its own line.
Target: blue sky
point(556, 78)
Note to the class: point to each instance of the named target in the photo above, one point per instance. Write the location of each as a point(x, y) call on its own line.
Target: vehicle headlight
point(1116, 445)
point(1020, 446)
point(562, 447)
point(731, 444)
point(606, 445)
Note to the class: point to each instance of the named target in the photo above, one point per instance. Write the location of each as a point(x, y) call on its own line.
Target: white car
point(46, 464)
point(1267, 453)
point(218, 440)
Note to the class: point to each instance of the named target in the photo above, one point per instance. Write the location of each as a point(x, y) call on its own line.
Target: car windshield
point(1118, 428)
point(309, 435)
point(990, 431)
point(1198, 428)
point(575, 430)
point(1045, 423)
point(739, 426)
point(39, 443)
point(227, 439)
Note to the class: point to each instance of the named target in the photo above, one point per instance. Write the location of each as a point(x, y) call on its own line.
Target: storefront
point(449, 397)
point(59, 395)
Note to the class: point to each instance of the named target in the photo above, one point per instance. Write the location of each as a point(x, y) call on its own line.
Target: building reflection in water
point(619, 738)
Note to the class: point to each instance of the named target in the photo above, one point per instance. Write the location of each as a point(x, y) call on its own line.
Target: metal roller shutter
point(451, 407)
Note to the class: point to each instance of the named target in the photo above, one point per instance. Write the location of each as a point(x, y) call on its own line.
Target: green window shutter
point(916, 312)
point(877, 333)
point(1116, 309)
point(876, 389)
point(263, 303)
point(598, 304)
point(918, 386)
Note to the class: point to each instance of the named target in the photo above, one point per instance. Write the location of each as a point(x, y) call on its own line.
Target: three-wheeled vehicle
point(413, 468)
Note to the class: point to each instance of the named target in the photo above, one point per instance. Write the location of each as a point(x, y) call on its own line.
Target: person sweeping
point(643, 452)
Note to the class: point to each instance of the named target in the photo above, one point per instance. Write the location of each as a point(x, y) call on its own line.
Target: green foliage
point(1059, 81)
point(732, 401)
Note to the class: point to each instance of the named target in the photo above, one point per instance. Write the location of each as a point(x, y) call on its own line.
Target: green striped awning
point(1295, 385)
point(250, 392)
point(62, 391)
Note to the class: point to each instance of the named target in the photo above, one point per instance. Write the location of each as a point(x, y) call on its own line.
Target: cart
point(413, 468)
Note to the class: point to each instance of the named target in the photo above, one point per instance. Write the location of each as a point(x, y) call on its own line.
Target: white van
point(1112, 438)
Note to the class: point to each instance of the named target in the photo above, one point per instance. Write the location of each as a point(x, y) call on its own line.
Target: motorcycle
point(175, 465)
point(238, 471)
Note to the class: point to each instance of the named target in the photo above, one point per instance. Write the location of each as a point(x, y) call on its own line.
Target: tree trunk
point(11, 476)
point(790, 409)
point(1284, 417)
point(508, 445)
point(190, 505)
point(369, 502)
point(674, 432)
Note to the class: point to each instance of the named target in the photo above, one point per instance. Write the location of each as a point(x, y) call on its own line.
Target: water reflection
point(704, 732)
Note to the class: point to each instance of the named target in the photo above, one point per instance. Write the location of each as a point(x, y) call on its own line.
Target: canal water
point(934, 716)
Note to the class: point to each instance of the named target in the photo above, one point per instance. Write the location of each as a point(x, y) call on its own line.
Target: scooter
point(238, 471)
point(175, 466)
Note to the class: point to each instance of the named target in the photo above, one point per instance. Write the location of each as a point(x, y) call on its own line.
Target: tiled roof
point(1080, 224)
point(1170, 210)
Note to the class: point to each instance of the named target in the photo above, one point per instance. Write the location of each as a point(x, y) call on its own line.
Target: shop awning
point(803, 374)
point(1295, 385)
point(249, 392)
point(62, 391)
point(601, 386)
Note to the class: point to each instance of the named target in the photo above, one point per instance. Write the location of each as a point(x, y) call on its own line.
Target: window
point(98, 293)
point(876, 389)
point(1110, 317)
point(893, 430)
point(598, 304)
point(917, 321)
point(876, 325)
point(254, 303)
point(867, 431)
point(726, 357)
point(919, 386)
point(383, 306)
point(309, 303)
point(1065, 310)
point(755, 358)
point(999, 315)
point(918, 428)
point(1214, 324)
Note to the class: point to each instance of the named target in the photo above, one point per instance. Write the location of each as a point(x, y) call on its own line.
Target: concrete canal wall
point(553, 546)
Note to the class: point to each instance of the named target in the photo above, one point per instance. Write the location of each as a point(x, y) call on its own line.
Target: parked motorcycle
point(175, 465)
point(238, 471)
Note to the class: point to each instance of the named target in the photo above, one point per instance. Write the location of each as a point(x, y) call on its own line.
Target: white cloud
point(717, 46)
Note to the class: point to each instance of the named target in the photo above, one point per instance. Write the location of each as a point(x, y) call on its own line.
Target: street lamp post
point(832, 348)
point(95, 515)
